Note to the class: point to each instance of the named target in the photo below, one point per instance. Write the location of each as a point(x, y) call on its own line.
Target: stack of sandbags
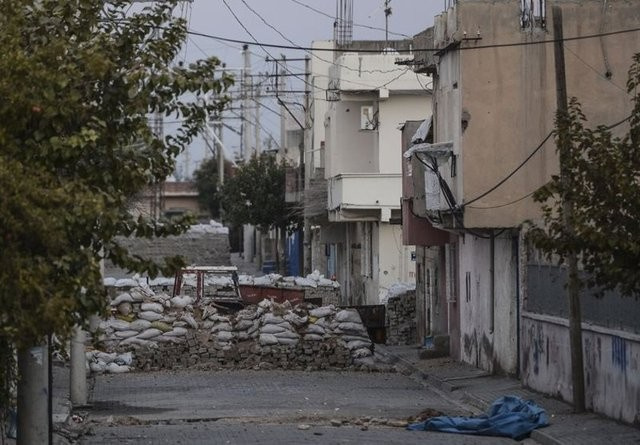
point(114, 363)
point(348, 325)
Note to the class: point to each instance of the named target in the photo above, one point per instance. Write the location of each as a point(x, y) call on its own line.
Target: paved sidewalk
point(479, 389)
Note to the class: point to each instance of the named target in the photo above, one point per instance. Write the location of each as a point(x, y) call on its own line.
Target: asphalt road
point(265, 407)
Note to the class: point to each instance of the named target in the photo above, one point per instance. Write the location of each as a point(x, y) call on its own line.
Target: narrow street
point(264, 407)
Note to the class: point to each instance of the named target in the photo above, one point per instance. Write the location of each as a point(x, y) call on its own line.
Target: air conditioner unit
point(367, 120)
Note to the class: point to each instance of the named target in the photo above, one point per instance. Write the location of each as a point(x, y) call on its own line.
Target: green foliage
point(78, 81)
point(255, 195)
point(206, 179)
point(602, 179)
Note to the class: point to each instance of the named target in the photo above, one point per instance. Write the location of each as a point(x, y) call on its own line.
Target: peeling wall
point(611, 365)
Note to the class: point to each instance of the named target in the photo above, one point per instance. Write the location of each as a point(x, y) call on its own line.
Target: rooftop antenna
point(387, 13)
point(343, 26)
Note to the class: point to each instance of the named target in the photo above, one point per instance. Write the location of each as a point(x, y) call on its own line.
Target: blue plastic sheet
point(508, 416)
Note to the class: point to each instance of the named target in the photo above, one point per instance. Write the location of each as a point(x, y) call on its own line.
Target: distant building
point(171, 198)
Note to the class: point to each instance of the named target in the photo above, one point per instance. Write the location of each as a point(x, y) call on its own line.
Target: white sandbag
point(125, 308)
point(357, 344)
point(150, 316)
point(243, 325)
point(176, 332)
point(268, 339)
point(140, 324)
point(105, 356)
point(168, 318)
point(271, 329)
point(350, 315)
point(361, 352)
point(190, 320)
point(272, 319)
point(254, 327)
point(208, 311)
point(125, 334)
point(208, 324)
point(122, 298)
point(242, 336)
point(306, 282)
point(149, 333)
point(286, 334)
point(295, 319)
point(134, 341)
point(224, 336)
point(315, 329)
point(114, 368)
point(168, 339)
point(140, 293)
point(180, 324)
point(118, 325)
point(124, 359)
point(221, 327)
point(98, 366)
point(325, 282)
point(265, 304)
point(164, 327)
point(126, 282)
point(154, 307)
point(323, 311)
point(313, 337)
point(181, 302)
point(109, 281)
point(349, 326)
point(219, 318)
point(90, 355)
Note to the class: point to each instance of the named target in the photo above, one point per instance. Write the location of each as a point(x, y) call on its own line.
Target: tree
point(206, 179)
point(255, 195)
point(605, 190)
point(590, 211)
point(78, 80)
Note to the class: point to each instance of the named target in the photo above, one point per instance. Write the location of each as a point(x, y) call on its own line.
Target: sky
point(298, 22)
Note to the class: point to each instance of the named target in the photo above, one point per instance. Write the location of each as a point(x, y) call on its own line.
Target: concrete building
point(171, 198)
point(360, 101)
point(494, 103)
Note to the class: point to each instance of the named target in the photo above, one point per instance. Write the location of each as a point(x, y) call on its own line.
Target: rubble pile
point(401, 319)
point(166, 333)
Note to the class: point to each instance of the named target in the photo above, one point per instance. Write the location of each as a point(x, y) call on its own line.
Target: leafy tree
point(206, 179)
point(255, 195)
point(605, 192)
point(78, 79)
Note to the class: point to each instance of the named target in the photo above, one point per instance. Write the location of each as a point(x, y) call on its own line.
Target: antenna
point(343, 26)
point(387, 13)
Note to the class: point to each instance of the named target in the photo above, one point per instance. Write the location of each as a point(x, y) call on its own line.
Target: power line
point(595, 70)
point(338, 50)
point(506, 178)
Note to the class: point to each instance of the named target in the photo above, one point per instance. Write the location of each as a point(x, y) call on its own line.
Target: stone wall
point(401, 319)
point(200, 247)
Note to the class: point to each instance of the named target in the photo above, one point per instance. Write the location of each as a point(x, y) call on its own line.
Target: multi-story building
point(494, 103)
point(360, 101)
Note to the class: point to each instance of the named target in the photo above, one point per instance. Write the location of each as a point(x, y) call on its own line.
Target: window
point(534, 14)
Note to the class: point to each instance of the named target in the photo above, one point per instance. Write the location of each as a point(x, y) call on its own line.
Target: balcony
point(363, 196)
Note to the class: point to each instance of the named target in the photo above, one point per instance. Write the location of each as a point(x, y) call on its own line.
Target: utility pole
point(573, 287)
point(387, 13)
point(280, 86)
point(306, 168)
point(33, 395)
point(256, 120)
point(246, 97)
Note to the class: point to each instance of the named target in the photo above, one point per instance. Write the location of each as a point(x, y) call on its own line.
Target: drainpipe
point(492, 273)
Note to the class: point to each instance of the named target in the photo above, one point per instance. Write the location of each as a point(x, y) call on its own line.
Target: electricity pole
point(573, 287)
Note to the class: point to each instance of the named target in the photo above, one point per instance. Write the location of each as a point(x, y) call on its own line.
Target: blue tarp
point(508, 416)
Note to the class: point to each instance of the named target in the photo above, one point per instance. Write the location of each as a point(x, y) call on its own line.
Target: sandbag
point(114, 368)
point(288, 341)
point(164, 327)
point(286, 334)
point(181, 302)
point(323, 311)
point(312, 337)
point(315, 329)
point(221, 327)
point(348, 315)
point(268, 339)
point(125, 334)
point(190, 320)
point(361, 352)
point(176, 332)
point(243, 325)
point(140, 325)
point(225, 336)
point(150, 316)
point(271, 329)
point(154, 307)
point(295, 319)
point(272, 319)
point(125, 308)
point(149, 333)
point(118, 325)
point(357, 344)
point(122, 298)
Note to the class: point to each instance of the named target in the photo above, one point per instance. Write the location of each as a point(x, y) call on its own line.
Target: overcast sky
point(297, 23)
